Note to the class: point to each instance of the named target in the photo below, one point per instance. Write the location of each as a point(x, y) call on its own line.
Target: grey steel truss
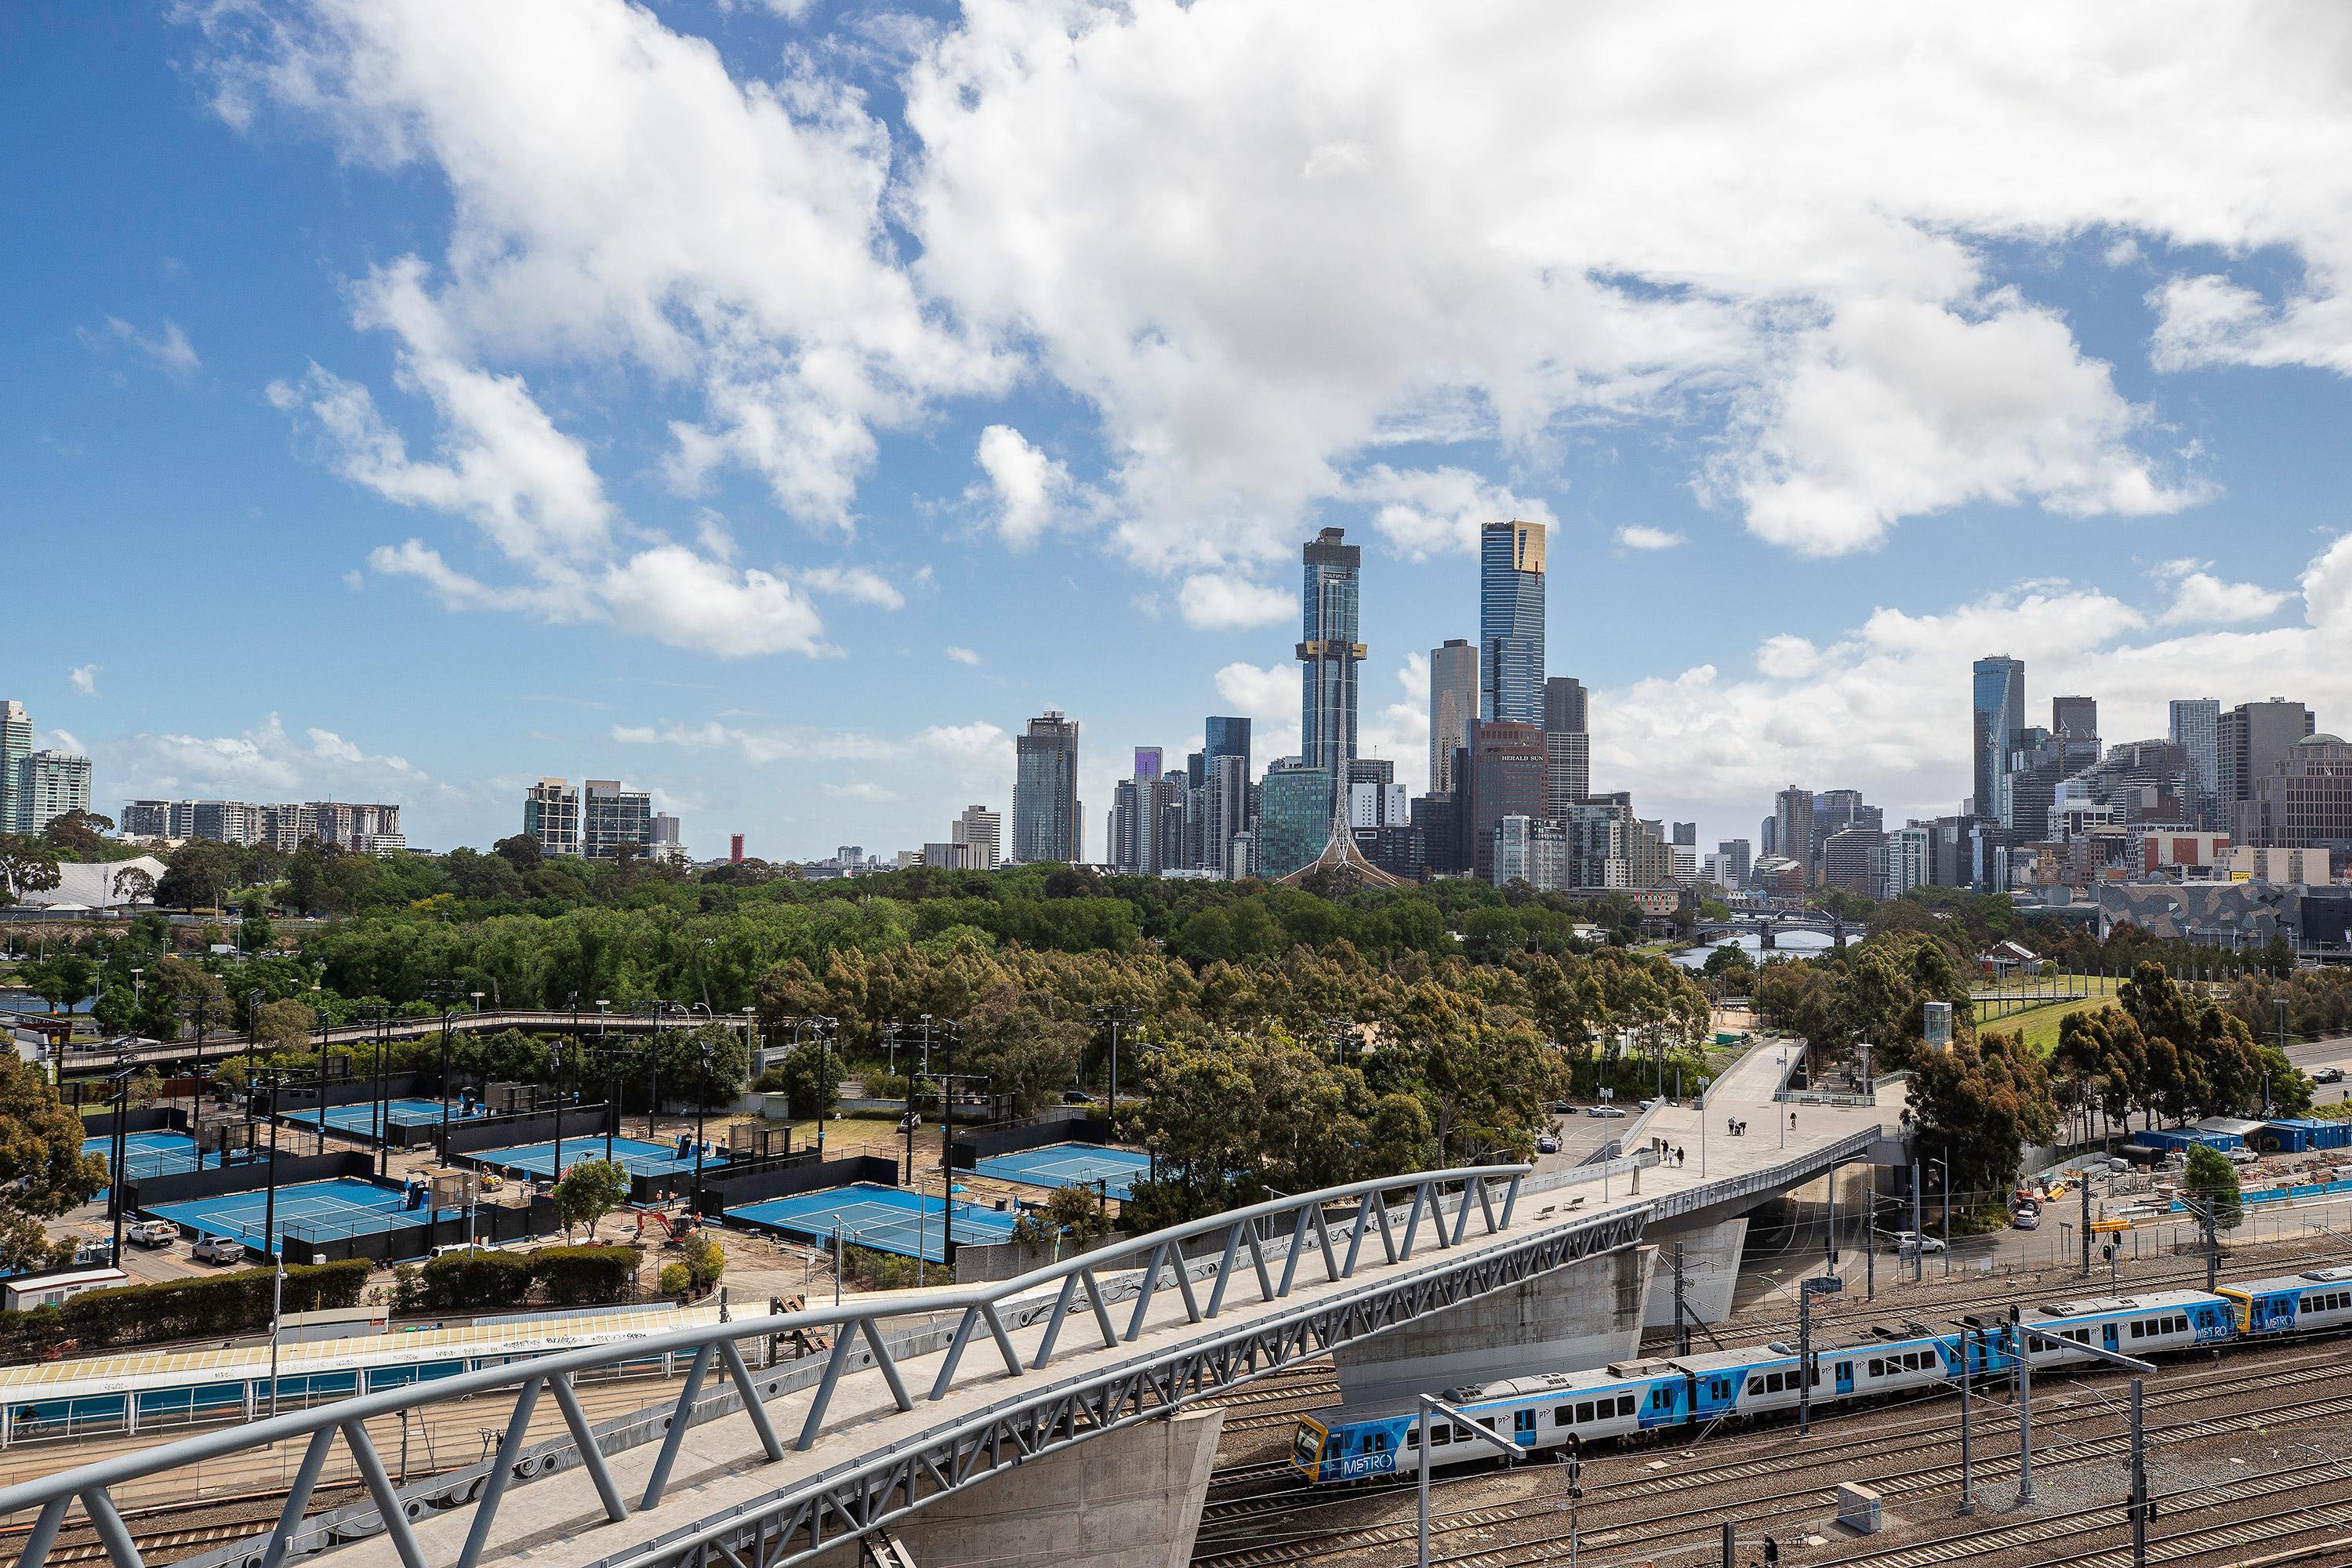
point(1260, 1248)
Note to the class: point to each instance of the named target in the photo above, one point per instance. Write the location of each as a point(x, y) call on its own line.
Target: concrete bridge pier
point(1128, 1499)
point(1586, 1315)
point(1711, 1271)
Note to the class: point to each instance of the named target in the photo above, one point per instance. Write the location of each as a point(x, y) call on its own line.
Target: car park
point(217, 1249)
point(153, 1232)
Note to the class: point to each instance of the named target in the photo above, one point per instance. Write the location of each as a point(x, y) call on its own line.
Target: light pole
point(701, 1102)
point(555, 1054)
point(1115, 1014)
point(444, 992)
point(1807, 1289)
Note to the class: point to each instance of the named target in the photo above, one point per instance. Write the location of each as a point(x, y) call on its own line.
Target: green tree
point(283, 1025)
point(43, 1172)
point(254, 933)
point(26, 866)
point(197, 875)
point(1981, 1103)
point(1021, 1047)
point(589, 1190)
point(2213, 1180)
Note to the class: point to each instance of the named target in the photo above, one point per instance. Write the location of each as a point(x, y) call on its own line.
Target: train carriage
point(2152, 1325)
point(1534, 1413)
point(2316, 1298)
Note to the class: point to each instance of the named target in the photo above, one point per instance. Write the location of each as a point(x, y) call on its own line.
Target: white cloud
point(169, 348)
point(1215, 601)
point(1884, 707)
point(1640, 536)
point(83, 677)
point(858, 584)
point(859, 790)
point(963, 655)
point(2201, 599)
point(1423, 512)
point(264, 763)
point(1027, 493)
point(1260, 693)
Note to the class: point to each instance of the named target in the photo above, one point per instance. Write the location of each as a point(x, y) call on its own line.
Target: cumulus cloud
point(963, 655)
point(1423, 512)
point(1640, 536)
point(2201, 599)
point(1216, 601)
point(169, 349)
point(83, 679)
point(1026, 492)
point(265, 762)
point(1884, 707)
point(859, 584)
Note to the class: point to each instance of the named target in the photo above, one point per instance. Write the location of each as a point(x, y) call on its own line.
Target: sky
point(772, 403)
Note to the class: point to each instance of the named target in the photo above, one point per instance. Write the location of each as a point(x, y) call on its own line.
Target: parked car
point(217, 1249)
point(153, 1232)
point(2328, 1074)
point(1546, 1144)
point(2242, 1156)
point(2026, 1219)
point(1609, 1112)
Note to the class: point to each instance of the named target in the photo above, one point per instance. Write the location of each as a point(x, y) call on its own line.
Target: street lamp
point(444, 991)
point(701, 1103)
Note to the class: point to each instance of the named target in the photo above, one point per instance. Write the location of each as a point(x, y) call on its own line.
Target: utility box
point(1857, 1506)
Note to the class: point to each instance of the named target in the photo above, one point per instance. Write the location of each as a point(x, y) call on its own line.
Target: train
point(1632, 1399)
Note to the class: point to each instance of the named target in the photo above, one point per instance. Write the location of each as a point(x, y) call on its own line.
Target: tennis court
point(310, 1210)
point(1069, 1166)
point(633, 1155)
point(146, 1155)
point(886, 1219)
point(358, 1119)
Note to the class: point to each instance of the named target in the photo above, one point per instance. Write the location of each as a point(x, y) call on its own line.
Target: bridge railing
point(1334, 1227)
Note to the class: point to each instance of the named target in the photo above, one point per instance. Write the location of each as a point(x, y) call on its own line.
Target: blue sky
point(774, 404)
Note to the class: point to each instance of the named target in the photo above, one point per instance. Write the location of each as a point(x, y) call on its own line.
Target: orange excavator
point(674, 1228)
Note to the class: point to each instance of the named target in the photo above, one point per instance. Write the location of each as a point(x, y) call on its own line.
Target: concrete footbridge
point(915, 1407)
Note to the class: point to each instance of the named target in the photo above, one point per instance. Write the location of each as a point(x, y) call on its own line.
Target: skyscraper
point(1453, 708)
point(1294, 817)
point(2196, 730)
point(611, 817)
point(54, 783)
point(1998, 717)
point(2251, 741)
point(1511, 623)
point(1793, 827)
point(550, 814)
point(1567, 748)
point(15, 745)
point(1506, 779)
point(2074, 716)
point(1045, 790)
point(1328, 654)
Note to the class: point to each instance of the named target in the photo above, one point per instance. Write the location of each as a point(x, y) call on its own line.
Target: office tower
point(1997, 717)
point(1686, 834)
point(1855, 858)
point(1452, 709)
point(2251, 741)
point(1792, 827)
point(1837, 809)
point(663, 841)
point(550, 814)
point(1737, 856)
point(1768, 837)
point(1511, 623)
point(1437, 830)
point(1328, 655)
point(611, 817)
point(1506, 779)
point(2196, 729)
point(1045, 790)
point(735, 849)
point(1910, 859)
point(1227, 738)
point(2306, 803)
point(1294, 819)
point(2076, 716)
point(1228, 812)
point(15, 745)
point(1567, 745)
point(53, 783)
point(978, 829)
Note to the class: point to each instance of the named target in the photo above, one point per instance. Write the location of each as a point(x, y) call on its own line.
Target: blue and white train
point(1626, 1400)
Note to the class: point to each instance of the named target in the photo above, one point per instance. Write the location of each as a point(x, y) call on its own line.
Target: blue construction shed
point(2181, 1139)
point(2300, 1134)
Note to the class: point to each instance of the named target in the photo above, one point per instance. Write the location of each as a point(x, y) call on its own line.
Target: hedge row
point(216, 1306)
point(564, 1276)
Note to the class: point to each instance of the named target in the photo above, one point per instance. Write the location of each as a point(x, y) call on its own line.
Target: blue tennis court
point(633, 1155)
point(360, 1120)
point(146, 1155)
point(886, 1219)
point(317, 1211)
point(1069, 1166)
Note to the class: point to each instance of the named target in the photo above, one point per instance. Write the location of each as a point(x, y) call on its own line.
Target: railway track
point(1223, 1545)
point(165, 1533)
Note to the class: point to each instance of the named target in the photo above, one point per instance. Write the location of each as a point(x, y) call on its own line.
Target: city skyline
point(563, 519)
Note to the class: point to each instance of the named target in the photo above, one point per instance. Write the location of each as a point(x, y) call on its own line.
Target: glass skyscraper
point(1453, 708)
point(1997, 719)
point(2196, 730)
point(1511, 623)
point(1046, 791)
point(1328, 654)
point(1294, 820)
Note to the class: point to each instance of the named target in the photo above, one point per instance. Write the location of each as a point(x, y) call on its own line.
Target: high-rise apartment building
point(144, 819)
point(1225, 792)
point(2251, 741)
point(1506, 779)
point(15, 745)
point(1328, 655)
point(1147, 817)
point(550, 814)
point(1793, 827)
point(1567, 745)
point(53, 783)
point(1511, 623)
point(2196, 729)
point(611, 817)
point(1997, 718)
point(2076, 716)
point(1294, 819)
point(1855, 858)
point(1910, 859)
point(1046, 823)
point(1737, 856)
point(978, 830)
point(1453, 708)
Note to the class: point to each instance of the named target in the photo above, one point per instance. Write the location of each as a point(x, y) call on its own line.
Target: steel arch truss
point(796, 1522)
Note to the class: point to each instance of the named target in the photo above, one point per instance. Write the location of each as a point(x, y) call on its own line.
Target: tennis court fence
point(783, 1180)
point(1069, 1125)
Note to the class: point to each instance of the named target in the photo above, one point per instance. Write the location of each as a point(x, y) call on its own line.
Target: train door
point(1845, 1378)
point(1523, 1428)
point(2107, 1335)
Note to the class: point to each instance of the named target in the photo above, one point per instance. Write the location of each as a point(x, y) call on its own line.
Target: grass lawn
point(2039, 1024)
